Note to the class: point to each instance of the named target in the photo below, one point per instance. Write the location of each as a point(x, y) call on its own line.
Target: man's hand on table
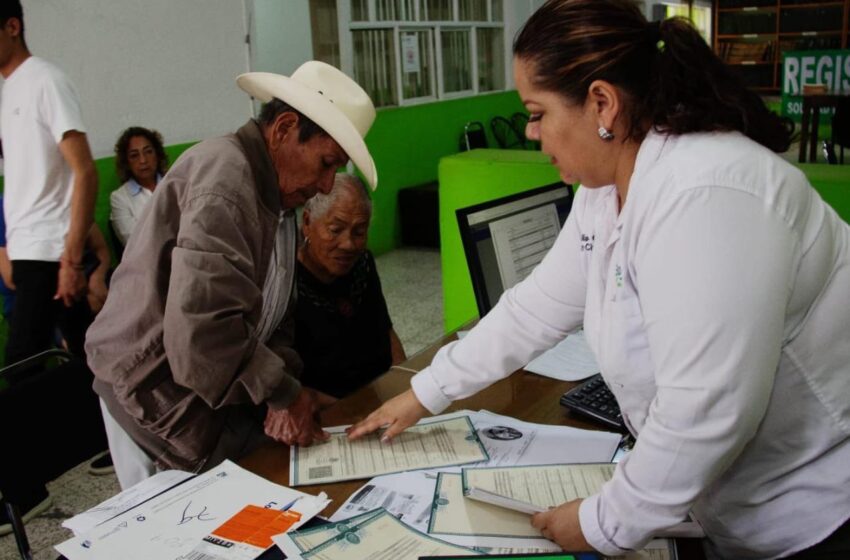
point(299, 423)
point(396, 415)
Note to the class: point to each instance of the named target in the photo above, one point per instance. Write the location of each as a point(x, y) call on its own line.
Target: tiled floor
point(411, 281)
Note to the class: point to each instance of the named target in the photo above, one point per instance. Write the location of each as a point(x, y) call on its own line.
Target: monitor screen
point(504, 239)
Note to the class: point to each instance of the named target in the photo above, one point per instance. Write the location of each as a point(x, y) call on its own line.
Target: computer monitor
point(504, 239)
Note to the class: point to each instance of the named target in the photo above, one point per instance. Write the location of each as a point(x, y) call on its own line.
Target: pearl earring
point(605, 134)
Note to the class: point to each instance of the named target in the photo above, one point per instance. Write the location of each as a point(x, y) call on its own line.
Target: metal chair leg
point(19, 531)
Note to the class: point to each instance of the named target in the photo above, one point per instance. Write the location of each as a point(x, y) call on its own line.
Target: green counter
point(471, 178)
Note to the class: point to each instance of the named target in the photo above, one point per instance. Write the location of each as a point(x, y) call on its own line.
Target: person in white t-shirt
point(50, 189)
point(710, 278)
point(141, 162)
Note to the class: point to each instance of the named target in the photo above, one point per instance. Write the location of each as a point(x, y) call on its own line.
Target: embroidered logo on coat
point(587, 242)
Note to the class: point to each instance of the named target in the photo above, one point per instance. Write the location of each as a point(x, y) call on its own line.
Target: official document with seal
point(436, 442)
point(540, 487)
point(381, 536)
point(307, 539)
point(536, 488)
point(452, 514)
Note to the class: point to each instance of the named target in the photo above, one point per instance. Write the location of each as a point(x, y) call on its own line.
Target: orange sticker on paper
point(255, 525)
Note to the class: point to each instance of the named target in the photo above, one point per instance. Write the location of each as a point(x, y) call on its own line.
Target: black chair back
point(841, 126)
point(506, 135)
point(473, 136)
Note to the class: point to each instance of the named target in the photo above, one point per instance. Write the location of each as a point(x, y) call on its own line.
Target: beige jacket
point(174, 350)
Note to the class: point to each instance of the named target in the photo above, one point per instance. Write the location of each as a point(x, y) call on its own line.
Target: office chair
point(506, 135)
point(473, 136)
point(51, 421)
point(519, 120)
point(841, 127)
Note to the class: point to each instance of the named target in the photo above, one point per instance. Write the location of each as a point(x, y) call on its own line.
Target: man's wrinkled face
point(303, 169)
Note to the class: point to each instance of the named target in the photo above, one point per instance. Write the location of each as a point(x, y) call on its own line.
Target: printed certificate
point(379, 537)
point(452, 514)
point(433, 443)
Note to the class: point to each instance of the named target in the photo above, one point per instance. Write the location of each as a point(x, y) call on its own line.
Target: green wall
point(407, 144)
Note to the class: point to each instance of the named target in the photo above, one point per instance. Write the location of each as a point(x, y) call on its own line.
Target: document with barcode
point(441, 441)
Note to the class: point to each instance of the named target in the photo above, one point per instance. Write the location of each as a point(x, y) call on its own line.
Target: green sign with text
point(800, 68)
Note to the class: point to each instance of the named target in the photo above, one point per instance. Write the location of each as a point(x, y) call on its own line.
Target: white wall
point(282, 38)
point(163, 64)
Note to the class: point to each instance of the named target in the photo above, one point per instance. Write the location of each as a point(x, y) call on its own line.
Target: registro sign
point(830, 68)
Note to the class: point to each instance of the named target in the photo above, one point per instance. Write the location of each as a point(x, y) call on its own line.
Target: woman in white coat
point(715, 294)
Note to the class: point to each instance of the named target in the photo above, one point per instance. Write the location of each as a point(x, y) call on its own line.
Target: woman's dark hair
point(122, 166)
point(671, 78)
point(306, 127)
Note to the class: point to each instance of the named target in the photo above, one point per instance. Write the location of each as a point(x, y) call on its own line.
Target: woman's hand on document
point(396, 415)
point(561, 525)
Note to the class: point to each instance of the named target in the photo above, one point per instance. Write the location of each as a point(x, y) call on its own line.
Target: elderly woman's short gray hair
point(318, 205)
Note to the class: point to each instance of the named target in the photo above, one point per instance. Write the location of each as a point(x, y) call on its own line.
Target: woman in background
point(141, 162)
point(343, 331)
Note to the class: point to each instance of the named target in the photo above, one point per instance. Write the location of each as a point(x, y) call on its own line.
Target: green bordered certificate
point(431, 444)
point(453, 514)
point(536, 488)
point(378, 536)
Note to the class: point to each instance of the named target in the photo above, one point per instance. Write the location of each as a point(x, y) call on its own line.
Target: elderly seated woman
point(343, 331)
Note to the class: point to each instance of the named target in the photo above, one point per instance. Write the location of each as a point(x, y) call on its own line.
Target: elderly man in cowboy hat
point(192, 351)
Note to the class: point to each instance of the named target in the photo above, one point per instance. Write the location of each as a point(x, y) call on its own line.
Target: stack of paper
point(432, 501)
point(226, 513)
point(129, 498)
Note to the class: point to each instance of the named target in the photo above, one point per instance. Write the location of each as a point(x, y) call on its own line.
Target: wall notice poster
point(410, 53)
point(828, 68)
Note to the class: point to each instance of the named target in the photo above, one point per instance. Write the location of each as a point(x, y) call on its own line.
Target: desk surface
point(523, 395)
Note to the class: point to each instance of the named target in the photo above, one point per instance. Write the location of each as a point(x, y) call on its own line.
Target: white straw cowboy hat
point(330, 99)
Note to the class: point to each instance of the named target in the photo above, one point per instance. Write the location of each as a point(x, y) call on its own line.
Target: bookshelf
point(751, 35)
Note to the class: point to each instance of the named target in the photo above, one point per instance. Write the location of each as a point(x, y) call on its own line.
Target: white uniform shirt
point(127, 203)
point(718, 306)
point(39, 105)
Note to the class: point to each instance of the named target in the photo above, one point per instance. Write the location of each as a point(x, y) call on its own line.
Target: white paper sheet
point(174, 523)
point(569, 360)
point(127, 499)
point(405, 495)
point(513, 442)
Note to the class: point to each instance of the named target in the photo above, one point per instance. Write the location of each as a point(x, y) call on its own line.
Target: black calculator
point(594, 399)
